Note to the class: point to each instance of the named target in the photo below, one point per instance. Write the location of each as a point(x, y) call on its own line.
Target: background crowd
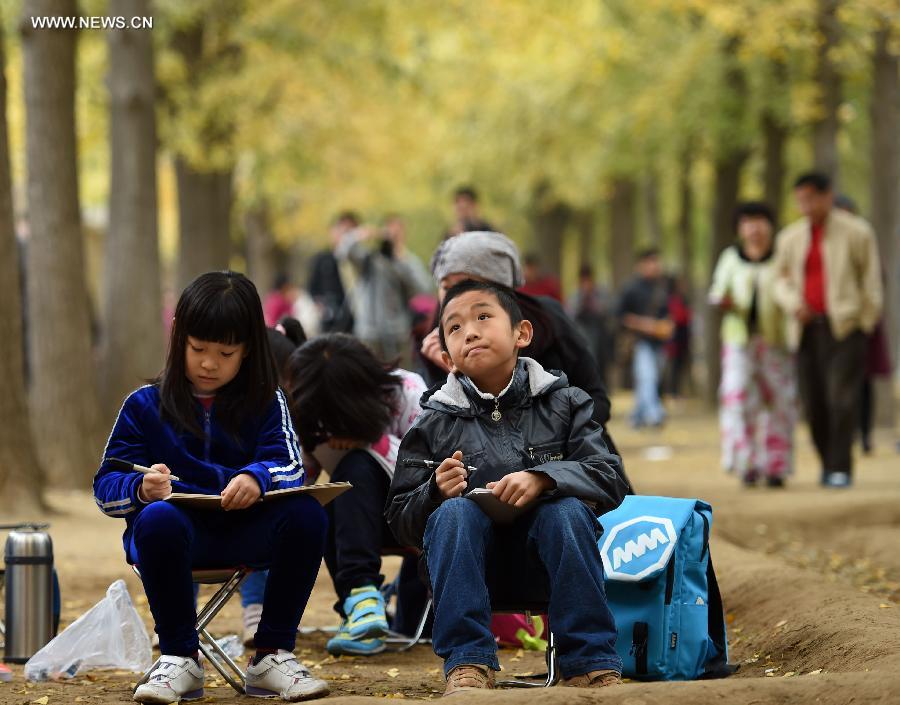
point(785, 324)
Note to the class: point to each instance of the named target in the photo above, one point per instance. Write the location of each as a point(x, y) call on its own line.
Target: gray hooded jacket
point(545, 426)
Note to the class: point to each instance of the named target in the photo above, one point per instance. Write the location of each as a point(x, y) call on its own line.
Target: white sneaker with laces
point(170, 680)
point(281, 675)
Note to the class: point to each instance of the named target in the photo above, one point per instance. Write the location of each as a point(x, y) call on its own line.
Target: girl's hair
point(339, 388)
point(219, 307)
point(283, 341)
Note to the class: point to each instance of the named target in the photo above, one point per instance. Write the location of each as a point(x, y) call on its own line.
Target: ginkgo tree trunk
point(64, 407)
point(19, 467)
point(132, 347)
point(205, 193)
point(885, 190)
point(830, 85)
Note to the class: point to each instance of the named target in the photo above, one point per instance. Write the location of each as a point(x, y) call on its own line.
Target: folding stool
point(230, 580)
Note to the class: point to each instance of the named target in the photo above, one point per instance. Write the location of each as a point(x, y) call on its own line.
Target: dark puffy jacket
point(545, 425)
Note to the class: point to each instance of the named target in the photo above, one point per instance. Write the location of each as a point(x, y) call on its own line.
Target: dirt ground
point(810, 579)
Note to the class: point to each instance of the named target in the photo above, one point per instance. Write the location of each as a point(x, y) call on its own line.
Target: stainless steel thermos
point(29, 594)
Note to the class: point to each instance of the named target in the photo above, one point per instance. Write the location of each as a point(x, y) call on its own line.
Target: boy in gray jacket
point(507, 425)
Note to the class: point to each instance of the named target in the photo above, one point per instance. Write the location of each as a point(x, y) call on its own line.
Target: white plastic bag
point(109, 635)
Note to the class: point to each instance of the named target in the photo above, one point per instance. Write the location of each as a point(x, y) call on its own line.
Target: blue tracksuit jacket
point(266, 447)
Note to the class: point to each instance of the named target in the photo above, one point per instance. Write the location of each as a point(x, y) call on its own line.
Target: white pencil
point(128, 465)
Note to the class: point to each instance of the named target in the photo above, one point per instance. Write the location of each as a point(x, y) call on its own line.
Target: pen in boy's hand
point(128, 466)
point(432, 464)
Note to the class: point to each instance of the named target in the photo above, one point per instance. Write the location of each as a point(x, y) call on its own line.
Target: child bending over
point(344, 398)
point(532, 441)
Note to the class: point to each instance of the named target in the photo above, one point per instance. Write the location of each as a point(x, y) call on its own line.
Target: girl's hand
point(451, 476)
point(520, 488)
point(431, 349)
point(337, 443)
point(241, 492)
point(156, 485)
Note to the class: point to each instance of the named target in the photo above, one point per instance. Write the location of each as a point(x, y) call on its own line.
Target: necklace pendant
point(496, 415)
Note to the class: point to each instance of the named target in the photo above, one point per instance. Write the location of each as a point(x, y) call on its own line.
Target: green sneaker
point(365, 613)
point(342, 644)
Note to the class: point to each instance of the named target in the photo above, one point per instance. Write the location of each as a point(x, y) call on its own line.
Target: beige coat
point(853, 295)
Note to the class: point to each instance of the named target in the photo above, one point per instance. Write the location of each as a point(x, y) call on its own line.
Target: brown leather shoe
point(594, 679)
point(469, 677)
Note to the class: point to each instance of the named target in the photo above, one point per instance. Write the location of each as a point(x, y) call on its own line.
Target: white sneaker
point(837, 479)
point(281, 675)
point(252, 615)
point(170, 680)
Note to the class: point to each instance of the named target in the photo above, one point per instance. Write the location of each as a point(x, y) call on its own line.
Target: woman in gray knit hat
point(557, 343)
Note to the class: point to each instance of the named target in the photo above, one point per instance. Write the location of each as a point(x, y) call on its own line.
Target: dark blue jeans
point(168, 541)
point(549, 553)
point(358, 535)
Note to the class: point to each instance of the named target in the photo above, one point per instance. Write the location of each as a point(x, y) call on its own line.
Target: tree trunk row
point(20, 471)
point(622, 230)
point(132, 341)
point(59, 317)
point(204, 220)
point(885, 190)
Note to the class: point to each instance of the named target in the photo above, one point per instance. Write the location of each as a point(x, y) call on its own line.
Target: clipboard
point(324, 493)
point(497, 511)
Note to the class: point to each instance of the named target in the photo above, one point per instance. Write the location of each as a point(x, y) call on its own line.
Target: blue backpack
point(662, 589)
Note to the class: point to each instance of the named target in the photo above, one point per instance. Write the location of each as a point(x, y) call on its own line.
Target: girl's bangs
point(221, 319)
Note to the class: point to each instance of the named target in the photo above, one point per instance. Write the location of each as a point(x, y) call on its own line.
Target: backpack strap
point(717, 666)
point(640, 635)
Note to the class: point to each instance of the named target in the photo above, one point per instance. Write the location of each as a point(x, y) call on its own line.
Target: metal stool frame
point(551, 655)
point(230, 580)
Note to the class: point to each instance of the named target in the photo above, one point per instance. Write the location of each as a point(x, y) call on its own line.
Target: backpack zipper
point(670, 579)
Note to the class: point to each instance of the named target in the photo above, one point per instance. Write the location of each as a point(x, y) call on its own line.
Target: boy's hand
point(242, 491)
point(451, 476)
point(520, 488)
point(431, 349)
point(156, 485)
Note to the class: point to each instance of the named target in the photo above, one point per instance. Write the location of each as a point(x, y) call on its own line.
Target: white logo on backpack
point(659, 531)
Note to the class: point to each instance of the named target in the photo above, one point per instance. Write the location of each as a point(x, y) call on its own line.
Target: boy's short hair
point(506, 298)
point(466, 192)
point(819, 181)
point(647, 253)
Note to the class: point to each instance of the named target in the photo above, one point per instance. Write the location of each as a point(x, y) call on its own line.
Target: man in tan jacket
point(828, 282)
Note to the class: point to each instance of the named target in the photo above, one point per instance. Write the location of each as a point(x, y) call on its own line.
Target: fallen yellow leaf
point(42, 701)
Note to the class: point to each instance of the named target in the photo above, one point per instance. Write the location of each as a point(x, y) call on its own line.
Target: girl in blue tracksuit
point(216, 419)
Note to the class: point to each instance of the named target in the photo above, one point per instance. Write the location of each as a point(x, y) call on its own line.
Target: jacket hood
point(455, 395)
